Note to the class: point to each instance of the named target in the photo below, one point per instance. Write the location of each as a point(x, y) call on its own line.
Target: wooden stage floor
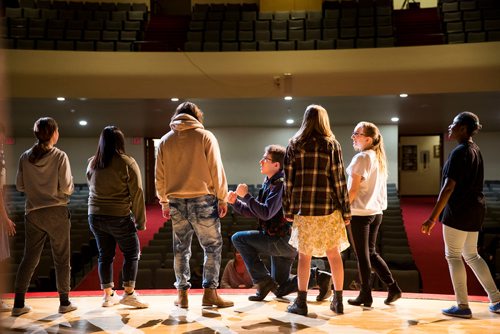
point(414, 313)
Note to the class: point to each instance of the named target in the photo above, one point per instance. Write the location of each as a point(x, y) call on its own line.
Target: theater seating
point(61, 25)
point(470, 21)
point(343, 25)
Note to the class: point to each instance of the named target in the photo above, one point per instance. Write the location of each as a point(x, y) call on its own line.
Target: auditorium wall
point(241, 150)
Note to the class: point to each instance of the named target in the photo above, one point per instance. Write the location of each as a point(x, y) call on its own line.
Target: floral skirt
point(314, 235)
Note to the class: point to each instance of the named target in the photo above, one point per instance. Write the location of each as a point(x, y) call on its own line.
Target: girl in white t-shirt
point(367, 185)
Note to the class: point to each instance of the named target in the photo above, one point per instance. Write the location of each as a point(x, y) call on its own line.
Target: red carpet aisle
point(428, 251)
point(155, 220)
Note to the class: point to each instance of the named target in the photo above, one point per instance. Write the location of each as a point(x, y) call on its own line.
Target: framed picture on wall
point(409, 157)
point(437, 151)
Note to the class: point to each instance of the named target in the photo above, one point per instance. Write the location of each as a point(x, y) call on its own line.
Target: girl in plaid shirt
point(317, 201)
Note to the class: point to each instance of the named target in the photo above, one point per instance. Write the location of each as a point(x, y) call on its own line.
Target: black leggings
point(363, 232)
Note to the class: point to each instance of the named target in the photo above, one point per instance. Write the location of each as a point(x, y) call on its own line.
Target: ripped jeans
point(198, 215)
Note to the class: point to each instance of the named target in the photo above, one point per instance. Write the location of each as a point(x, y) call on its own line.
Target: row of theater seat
point(63, 45)
point(290, 45)
point(292, 30)
point(73, 29)
point(81, 5)
point(470, 21)
point(489, 236)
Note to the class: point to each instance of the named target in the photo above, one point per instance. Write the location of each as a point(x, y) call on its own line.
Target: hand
point(222, 209)
point(166, 213)
point(242, 190)
point(231, 197)
point(427, 227)
point(11, 227)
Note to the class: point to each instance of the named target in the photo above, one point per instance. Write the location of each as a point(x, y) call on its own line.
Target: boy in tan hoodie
point(192, 187)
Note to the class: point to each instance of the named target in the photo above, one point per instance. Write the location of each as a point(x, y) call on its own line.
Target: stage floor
point(414, 313)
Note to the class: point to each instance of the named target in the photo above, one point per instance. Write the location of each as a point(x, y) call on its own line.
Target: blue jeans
point(198, 215)
point(253, 244)
point(109, 231)
point(458, 244)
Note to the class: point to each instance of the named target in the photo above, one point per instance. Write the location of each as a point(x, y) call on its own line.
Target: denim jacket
point(267, 208)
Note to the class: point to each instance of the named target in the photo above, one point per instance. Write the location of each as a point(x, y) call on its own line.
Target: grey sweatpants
point(52, 222)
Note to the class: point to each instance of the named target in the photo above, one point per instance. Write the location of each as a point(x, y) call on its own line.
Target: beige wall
point(423, 3)
point(277, 5)
point(470, 67)
point(193, 2)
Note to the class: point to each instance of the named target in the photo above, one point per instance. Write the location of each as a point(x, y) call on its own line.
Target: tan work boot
point(211, 298)
point(182, 299)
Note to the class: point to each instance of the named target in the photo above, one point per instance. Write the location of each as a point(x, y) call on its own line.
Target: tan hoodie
point(189, 162)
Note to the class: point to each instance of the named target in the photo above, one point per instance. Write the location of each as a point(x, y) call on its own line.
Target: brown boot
point(211, 298)
point(182, 299)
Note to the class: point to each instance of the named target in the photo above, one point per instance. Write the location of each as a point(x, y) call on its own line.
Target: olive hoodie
point(117, 190)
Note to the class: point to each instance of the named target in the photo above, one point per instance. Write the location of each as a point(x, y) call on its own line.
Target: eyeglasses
point(356, 134)
point(266, 159)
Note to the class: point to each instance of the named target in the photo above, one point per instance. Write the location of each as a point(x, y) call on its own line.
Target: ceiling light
point(403, 95)
point(83, 122)
point(72, 110)
point(174, 99)
point(394, 119)
point(289, 121)
point(60, 98)
point(288, 98)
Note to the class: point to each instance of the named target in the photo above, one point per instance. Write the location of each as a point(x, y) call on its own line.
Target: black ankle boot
point(263, 288)
point(299, 305)
point(394, 293)
point(336, 304)
point(324, 281)
point(364, 298)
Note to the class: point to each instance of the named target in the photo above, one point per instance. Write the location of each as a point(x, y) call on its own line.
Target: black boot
point(394, 293)
point(364, 298)
point(299, 305)
point(324, 281)
point(263, 288)
point(336, 304)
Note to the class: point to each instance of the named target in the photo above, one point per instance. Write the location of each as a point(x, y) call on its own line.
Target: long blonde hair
point(371, 130)
point(314, 124)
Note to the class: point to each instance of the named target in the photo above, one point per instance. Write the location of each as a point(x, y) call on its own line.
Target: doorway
point(419, 165)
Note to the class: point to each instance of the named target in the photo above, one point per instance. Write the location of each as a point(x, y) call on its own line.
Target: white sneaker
point(67, 308)
point(133, 300)
point(110, 300)
point(4, 307)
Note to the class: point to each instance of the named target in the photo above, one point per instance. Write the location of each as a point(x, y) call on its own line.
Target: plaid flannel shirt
point(315, 182)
